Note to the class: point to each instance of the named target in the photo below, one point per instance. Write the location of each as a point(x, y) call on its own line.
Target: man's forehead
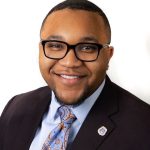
point(68, 13)
point(71, 24)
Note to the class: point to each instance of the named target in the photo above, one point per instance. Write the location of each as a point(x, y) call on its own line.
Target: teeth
point(69, 77)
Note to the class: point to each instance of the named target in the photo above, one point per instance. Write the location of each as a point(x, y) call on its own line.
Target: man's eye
point(88, 48)
point(55, 46)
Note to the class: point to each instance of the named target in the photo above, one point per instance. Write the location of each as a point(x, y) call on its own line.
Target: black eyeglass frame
point(73, 47)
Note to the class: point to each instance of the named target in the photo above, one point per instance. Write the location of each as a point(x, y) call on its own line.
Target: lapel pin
point(102, 130)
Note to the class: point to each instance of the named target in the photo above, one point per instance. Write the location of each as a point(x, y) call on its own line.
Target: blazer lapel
point(98, 125)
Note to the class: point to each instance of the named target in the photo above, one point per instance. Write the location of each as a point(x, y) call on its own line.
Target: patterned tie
point(57, 139)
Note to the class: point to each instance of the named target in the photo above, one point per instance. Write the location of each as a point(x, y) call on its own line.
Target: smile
point(69, 77)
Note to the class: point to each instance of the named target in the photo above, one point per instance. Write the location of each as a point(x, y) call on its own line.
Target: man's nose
point(70, 60)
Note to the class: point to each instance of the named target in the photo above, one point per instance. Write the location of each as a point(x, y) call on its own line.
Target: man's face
point(73, 80)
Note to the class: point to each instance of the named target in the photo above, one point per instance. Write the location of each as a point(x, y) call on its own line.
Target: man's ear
point(111, 51)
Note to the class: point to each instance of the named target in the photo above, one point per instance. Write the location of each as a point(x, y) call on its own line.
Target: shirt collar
point(80, 111)
point(53, 108)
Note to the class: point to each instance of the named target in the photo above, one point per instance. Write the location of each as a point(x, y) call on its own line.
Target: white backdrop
point(20, 22)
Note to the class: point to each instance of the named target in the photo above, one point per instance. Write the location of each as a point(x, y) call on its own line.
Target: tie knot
point(66, 114)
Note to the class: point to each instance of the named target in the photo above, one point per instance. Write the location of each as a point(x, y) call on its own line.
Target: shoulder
point(25, 106)
point(129, 106)
point(20, 101)
point(26, 103)
point(127, 99)
point(133, 113)
point(122, 95)
point(34, 93)
point(131, 117)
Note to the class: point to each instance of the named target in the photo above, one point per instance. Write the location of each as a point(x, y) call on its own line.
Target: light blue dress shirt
point(51, 119)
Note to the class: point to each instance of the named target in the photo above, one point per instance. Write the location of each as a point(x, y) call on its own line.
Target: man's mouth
point(69, 79)
point(69, 76)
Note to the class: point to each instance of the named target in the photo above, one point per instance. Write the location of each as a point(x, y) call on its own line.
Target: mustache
point(70, 71)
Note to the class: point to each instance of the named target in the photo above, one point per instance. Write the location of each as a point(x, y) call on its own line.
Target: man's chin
point(66, 101)
point(71, 97)
point(71, 100)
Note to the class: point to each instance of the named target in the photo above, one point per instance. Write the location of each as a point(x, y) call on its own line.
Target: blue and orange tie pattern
point(57, 139)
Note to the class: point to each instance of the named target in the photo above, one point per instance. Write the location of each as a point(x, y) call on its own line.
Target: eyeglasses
point(83, 51)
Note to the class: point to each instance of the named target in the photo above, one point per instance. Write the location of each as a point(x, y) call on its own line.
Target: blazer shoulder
point(28, 98)
point(26, 107)
point(39, 91)
point(129, 102)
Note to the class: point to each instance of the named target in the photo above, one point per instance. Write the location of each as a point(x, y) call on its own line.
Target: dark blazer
point(126, 118)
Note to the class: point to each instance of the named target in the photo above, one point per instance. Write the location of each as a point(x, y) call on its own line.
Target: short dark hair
point(81, 5)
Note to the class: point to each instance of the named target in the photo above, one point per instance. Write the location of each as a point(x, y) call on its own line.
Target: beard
point(80, 98)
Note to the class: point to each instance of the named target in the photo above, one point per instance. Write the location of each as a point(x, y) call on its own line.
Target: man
point(74, 56)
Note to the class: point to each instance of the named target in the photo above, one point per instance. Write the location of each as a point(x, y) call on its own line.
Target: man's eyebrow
point(54, 37)
point(82, 39)
point(89, 39)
